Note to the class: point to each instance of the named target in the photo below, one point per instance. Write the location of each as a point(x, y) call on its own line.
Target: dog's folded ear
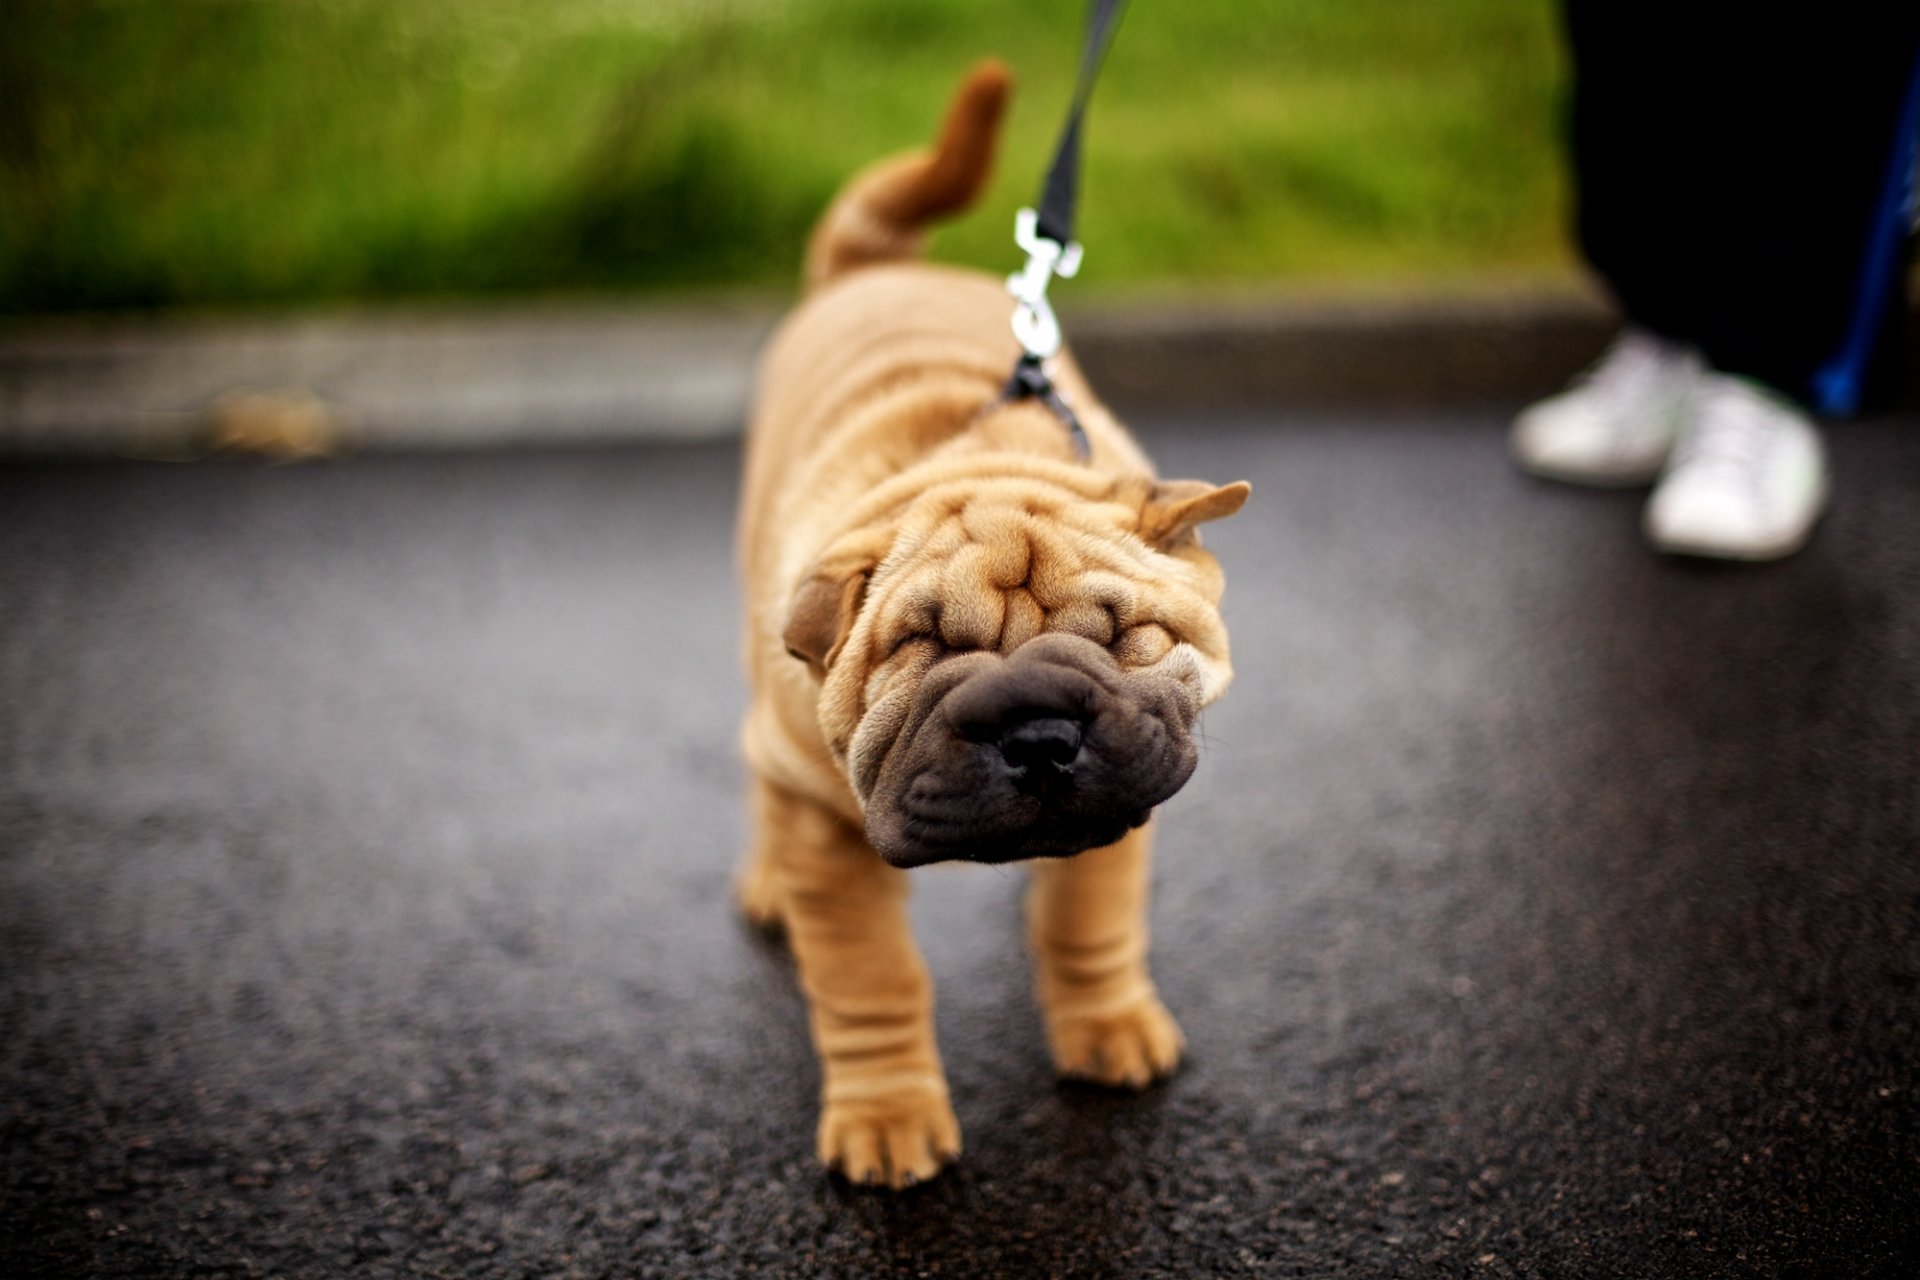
point(823, 612)
point(1174, 507)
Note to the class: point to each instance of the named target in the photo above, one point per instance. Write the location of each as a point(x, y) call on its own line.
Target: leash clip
point(1034, 323)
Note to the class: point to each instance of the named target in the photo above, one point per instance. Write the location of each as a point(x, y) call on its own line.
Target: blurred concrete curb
point(579, 374)
point(399, 379)
point(1486, 347)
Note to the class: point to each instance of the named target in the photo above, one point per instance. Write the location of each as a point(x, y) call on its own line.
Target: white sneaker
point(1748, 479)
point(1616, 424)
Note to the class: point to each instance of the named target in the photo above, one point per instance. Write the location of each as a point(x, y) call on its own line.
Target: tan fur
point(879, 215)
point(896, 529)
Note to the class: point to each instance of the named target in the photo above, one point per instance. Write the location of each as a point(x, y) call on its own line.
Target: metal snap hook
point(1034, 323)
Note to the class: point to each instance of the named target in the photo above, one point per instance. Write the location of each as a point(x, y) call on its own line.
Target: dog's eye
point(1142, 646)
point(911, 642)
point(1087, 619)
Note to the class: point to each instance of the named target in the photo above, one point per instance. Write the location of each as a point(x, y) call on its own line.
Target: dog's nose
point(1041, 750)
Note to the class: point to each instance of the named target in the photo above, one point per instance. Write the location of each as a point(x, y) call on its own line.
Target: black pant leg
point(1732, 168)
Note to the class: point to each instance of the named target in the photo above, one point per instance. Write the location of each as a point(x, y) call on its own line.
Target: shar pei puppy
point(966, 642)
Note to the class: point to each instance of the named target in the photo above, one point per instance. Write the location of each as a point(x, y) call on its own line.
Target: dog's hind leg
point(885, 1116)
point(1087, 921)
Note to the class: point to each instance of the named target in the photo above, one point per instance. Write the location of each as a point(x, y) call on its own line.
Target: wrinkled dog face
point(1012, 668)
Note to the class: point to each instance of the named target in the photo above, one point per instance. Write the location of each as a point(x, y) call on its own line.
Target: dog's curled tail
point(881, 215)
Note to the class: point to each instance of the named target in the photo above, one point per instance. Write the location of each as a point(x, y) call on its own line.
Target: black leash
point(1047, 236)
point(1060, 197)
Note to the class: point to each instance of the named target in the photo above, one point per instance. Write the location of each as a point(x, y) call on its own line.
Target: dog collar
point(1030, 381)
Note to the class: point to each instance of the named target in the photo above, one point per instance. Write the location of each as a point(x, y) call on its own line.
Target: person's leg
point(1742, 186)
point(1739, 181)
point(1632, 147)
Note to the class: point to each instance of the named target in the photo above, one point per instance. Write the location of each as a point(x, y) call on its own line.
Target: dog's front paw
point(890, 1139)
point(1129, 1049)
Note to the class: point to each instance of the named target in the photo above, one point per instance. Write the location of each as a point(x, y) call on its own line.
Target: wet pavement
point(1541, 907)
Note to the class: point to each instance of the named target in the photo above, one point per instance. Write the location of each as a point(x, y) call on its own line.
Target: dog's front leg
point(885, 1116)
point(1087, 920)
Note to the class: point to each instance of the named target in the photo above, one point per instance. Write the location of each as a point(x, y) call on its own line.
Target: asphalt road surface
point(1541, 907)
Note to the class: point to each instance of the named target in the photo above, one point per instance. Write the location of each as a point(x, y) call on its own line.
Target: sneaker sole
point(1750, 553)
point(1618, 479)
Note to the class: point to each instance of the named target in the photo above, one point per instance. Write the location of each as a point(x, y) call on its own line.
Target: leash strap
point(1060, 197)
point(1047, 236)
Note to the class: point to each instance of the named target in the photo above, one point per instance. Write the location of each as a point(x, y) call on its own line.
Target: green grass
point(211, 152)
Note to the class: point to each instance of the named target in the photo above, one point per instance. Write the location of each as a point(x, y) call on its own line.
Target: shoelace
point(1733, 428)
point(1633, 359)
